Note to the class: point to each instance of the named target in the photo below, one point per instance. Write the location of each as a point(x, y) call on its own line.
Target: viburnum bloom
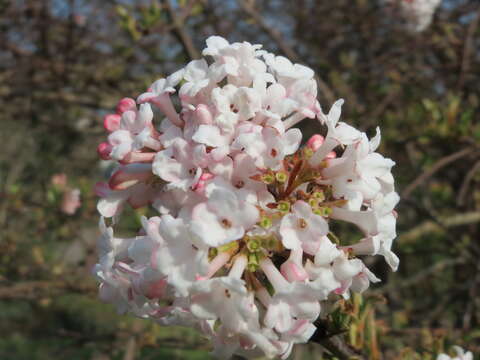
point(243, 246)
point(461, 355)
point(417, 15)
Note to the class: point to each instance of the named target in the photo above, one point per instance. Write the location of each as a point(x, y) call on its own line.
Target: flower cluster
point(243, 247)
point(461, 355)
point(417, 14)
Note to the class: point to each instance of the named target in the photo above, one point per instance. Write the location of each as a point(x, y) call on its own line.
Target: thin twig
point(420, 276)
point(337, 346)
point(466, 182)
point(467, 50)
point(180, 32)
point(32, 290)
point(436, 167)
point(432, 226)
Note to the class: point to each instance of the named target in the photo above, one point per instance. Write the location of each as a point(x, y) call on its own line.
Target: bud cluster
point(244, 245)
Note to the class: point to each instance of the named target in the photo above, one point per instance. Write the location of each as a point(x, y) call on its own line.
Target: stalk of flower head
point(242, 247)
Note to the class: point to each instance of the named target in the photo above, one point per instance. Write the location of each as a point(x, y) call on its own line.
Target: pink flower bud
point(103, 150)
point(315, 142)
point(126, 104)
point(111, 122)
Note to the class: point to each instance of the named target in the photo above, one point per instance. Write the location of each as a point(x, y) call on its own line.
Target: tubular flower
point(243, 247)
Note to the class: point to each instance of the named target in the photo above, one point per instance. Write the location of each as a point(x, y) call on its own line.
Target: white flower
point(180, 258)
point(242, 208)
point(222, 218)
point(196, 77)
point(302, 226)
point(417, 14)
point(177, 166)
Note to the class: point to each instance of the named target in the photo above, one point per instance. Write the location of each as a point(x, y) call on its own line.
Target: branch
point(276, 36)
point(462, 194)
point(446, 222)
point(418, 277)
point(436, 167)
point(337, 346)
point(32, 290)
point(179, 31)
point(467, 50)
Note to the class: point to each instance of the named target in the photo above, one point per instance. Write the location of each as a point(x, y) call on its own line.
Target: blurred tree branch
point(420, 276)
point(435, 168)
point(432, 226)
point(180, 31)
point(335, 344)
point(468, 48)
point(32, 290)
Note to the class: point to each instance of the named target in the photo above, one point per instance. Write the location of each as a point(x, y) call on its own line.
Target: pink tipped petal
point(315, 142)
point(103, 150)
point(126, 104)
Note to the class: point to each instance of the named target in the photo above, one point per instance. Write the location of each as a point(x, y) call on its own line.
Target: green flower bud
point(313, 202)
point(212, 252)
point(283, 206)
point(323, 211)
point(268, 179)
point(307, 152)
point(254, 244)
point(281, 177)
point(319, 195)
point(265, 222)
